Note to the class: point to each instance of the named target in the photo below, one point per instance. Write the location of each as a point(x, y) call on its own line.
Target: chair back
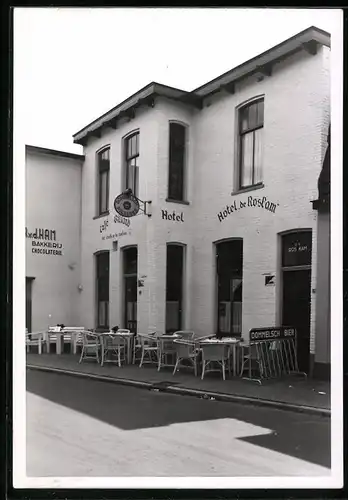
point(185, 334)
point(214, 352)
point(110, 340)
point(165, 345)
point(89, 338)
point(184, 348)
point(146, 340)
point(123, 330)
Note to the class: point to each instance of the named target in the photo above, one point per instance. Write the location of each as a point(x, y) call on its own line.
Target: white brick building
point(235, 162)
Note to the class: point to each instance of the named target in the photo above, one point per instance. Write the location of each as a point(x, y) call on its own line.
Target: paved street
point(90, 428)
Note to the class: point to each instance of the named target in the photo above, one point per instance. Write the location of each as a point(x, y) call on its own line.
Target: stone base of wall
point(321, 371)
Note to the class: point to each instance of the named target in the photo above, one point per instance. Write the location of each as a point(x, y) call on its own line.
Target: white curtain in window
point(103, 191)
point(258, 154)
point(247, 160)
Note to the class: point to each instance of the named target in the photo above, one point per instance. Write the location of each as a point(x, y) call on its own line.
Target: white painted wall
point(53, 202)
point(296, 119)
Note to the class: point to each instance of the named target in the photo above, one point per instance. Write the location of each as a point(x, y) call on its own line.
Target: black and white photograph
point(177, 248)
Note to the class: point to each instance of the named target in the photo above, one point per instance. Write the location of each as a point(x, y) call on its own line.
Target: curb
point(232, 398)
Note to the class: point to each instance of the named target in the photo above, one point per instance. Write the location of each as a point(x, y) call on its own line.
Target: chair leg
point(203, 369)
point(223, 369)
point(82, 352)
point(102, 356)
point(119, 357)
point(159, 362)
point(176, 365)
point(195, 365)
point(142, 357)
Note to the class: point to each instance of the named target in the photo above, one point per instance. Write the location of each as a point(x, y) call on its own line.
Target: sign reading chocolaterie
point(272, 333)
point(173, 216)
point(44, 242)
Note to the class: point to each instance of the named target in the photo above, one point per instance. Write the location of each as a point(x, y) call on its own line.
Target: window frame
point(101, 170)
point(128, 160)
point(241, 134)
point(183, 198)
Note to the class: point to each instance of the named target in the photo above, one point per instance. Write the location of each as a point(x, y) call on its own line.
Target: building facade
point(230, 170)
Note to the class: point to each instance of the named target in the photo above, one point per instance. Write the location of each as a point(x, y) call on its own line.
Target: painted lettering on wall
point(116, 235)
point(122, 220)
point(252, 201)
point(172, 216)
point(49, 245)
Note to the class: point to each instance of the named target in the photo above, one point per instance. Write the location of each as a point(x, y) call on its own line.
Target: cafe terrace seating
point(113, 347)
point(90, 346)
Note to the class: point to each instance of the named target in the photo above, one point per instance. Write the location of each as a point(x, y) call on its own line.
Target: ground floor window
point(174, 287)
point(102, 289)
point(229, 256)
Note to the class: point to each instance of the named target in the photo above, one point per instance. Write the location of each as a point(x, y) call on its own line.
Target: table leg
point(48, 344)
point(59, 344)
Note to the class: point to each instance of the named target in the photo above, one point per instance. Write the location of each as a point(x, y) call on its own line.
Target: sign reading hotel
point(44, 242)
point(173, 216)
point(252, 201)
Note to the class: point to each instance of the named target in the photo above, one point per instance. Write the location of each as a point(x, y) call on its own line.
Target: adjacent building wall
point(53, 204)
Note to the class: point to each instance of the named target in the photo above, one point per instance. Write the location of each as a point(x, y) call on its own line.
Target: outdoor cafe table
point(231, 342)
point(128, 337)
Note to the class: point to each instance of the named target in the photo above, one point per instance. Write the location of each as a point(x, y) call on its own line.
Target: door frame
point(29, 280)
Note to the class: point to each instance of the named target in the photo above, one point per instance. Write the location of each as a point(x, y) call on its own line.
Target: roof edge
point(64, 154)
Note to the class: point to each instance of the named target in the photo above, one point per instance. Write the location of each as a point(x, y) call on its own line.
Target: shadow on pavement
point(128, 408)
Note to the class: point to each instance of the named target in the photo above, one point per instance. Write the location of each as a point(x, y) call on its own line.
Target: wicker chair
point(113, 344)
point(33, 339)
point(90, 346)
point(148, 348)
point(214, 353)
point(185, 350)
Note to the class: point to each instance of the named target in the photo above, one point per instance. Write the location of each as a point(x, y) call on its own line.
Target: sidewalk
point(294, 392)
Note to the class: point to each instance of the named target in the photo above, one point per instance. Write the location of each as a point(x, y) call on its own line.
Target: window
point(132, 162)
point(103, 181)
point(177, 144)
point(251, 144)
point(102, 286)
point(174, 287)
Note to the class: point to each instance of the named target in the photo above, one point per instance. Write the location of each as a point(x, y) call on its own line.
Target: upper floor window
point(103, 181)
point(251, 144)
point(132, 162)
point(177, 154)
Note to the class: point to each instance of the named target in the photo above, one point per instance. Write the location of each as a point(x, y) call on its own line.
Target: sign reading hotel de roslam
point(252, 201)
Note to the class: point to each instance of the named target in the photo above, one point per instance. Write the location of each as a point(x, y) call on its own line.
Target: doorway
point(230, 287)
point(296, 293)
point(28, 303)
point(174, 287)
point(130, 276)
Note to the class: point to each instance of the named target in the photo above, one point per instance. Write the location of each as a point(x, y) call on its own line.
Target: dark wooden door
point(297, 310)
point(130, 311)
point(28, 303)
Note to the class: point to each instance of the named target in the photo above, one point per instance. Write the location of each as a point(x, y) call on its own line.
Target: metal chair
point(90, 346)
point(113, 344)
point(185, 350)
point(214, 353)
point(33, 339)
point(148, 348)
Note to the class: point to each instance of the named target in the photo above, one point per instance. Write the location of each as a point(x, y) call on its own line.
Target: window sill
point(104, 214)
point(247, 189)
point(181, 202)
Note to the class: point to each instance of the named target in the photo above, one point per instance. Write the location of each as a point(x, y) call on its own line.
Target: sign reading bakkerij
point(252, 201)
point(44, 242)
point(272, 333)
point(126, 205)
